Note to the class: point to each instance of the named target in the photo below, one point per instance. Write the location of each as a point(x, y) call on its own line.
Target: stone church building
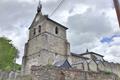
point(48, 45)
point(47, 42)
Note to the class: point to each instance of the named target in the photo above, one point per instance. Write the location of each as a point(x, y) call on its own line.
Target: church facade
point(48, 45)
point(47, 42)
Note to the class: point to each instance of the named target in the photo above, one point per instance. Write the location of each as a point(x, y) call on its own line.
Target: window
point(39, 28)
point(34, 31)
point(56, 30)
point(55, 54)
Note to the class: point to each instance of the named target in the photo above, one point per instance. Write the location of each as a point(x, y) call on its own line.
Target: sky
point(92, 24)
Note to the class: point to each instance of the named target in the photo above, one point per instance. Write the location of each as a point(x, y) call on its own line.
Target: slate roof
point(63, 64)
point(46, 16)
point(78, 55)
point(66, 65)
point(55, 22)
point(91, 53)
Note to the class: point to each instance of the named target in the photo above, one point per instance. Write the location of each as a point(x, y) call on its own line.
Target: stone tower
point(47, 42)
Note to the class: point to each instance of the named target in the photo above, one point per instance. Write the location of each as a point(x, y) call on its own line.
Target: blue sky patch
point(108, 39)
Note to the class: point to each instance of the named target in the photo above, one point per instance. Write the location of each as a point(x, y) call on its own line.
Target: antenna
point(87, 50)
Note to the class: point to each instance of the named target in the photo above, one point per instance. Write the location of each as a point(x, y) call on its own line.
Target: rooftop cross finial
point(39, 7)
point(87, 51)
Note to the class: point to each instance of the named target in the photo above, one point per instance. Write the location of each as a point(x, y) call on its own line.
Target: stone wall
point(106, 67)
point(8, 75)
point(112, 67)
point(97, 66)
point(43, 58)
point(53, 73)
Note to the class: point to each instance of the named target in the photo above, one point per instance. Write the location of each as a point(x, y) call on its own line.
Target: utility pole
point(117, 8)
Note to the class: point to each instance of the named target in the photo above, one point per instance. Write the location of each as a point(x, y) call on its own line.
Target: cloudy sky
point(92, 24)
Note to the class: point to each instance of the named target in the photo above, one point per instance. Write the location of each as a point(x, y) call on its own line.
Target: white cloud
point(88, 21)
point(110, 51)
point(15, 19)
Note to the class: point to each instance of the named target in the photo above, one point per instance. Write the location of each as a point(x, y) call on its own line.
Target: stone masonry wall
point(112, 67)
point(53, 73)
point(4, 75)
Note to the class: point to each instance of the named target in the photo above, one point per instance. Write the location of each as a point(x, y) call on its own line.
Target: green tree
point(8, 55)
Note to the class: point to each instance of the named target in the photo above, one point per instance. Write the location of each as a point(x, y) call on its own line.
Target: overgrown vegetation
point(8, 55)
point(107, 72)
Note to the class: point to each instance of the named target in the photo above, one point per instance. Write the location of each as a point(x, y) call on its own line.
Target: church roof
point(46, 16)
point(78, 55)
point(66, 65)
point(55, 22)
point(63, 64)
point(39, 8)
point(91, 53)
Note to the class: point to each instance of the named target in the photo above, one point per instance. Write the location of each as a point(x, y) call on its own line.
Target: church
point(48, 45)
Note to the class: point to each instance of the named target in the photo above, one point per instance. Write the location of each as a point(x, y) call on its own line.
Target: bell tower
point(47, 42)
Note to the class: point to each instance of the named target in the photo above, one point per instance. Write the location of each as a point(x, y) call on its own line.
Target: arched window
point(39, 28)
point(34, 31)
point(55, 54)
point(56, 30)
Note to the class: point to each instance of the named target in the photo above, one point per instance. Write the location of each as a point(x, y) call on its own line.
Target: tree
point(8, 54)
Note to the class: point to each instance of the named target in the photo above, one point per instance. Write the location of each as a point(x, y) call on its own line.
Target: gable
point(57, 23)
point(38, 18)
point(63, 64)
point(66, 65)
